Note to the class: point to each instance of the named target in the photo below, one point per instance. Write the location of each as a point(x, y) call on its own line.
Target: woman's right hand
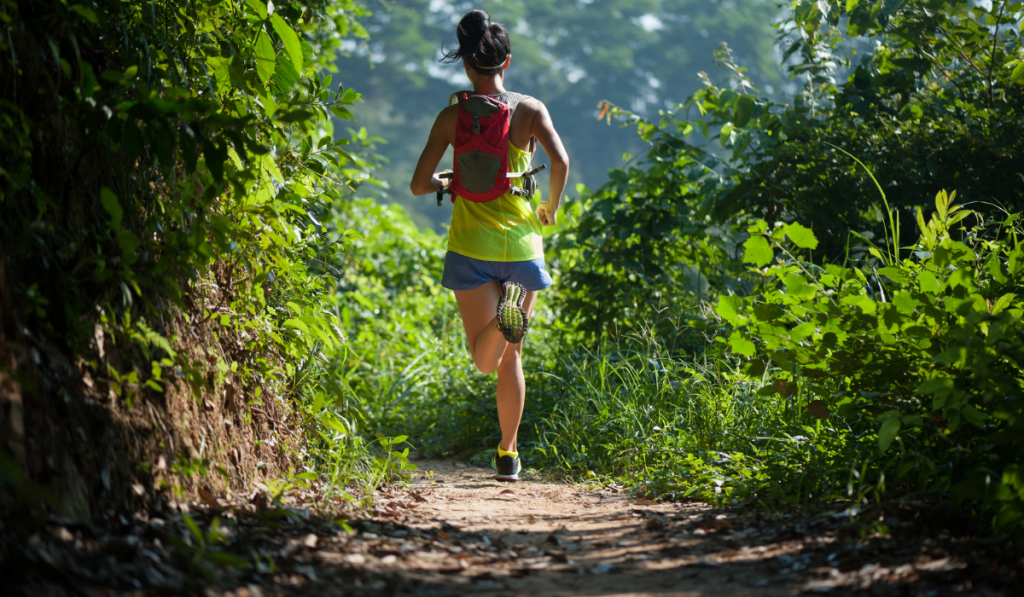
point(547, 216)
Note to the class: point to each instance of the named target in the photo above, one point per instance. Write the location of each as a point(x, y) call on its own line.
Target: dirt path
point(549, 539)
point(456, 531)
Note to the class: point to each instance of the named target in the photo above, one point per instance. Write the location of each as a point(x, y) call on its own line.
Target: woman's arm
point(544, 131)
point(423, 178)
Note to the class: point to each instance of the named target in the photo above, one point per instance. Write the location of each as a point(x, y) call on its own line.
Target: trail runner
point(495, 257)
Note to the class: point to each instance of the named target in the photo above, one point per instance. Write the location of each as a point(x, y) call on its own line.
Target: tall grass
point(685, 424)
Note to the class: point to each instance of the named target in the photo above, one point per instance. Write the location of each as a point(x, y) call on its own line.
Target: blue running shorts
point(466, 273)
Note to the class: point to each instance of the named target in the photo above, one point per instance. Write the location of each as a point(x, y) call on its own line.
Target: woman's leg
point(491, 352)
point(511, 395)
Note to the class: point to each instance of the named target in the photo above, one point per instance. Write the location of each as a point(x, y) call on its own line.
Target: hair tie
point(475, 65)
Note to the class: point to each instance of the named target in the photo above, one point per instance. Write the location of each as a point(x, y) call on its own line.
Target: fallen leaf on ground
point(644, 502)
point(208, 498)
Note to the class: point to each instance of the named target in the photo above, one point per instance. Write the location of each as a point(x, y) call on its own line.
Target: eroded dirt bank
point(456, 531)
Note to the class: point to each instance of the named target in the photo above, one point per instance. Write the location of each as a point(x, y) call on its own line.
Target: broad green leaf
point(113, 207)
point(266, 59)
point(269, 104)
point(292, 47)
point(743, 111)
point(297, 116)
point(1003, 302)
point(725, 134)
point(887, 433)
point(798, 333)
point(798, 287)
point(933, 386)
point(728, 307)
point(893, 273)
point(259, 8)
point(866, 305)
point(928, 283)
point(756, 250)
point(801, 236)
point(974, 416)
point(296, 324)
point(741, 345)
point(1017, 74)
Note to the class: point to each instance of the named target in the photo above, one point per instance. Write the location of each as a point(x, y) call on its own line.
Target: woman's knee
point(486, 367)
point(511, 361)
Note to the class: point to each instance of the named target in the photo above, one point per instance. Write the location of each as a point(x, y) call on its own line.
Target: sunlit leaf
point(728, 307)
point(292, 47)
point(801, 236)
point(266, 59)
point(258, 7)
point(757, 251)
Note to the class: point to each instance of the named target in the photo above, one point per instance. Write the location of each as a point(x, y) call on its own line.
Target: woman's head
point(483, 45)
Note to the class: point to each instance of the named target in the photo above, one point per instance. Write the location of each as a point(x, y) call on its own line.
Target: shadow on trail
point(660, 550)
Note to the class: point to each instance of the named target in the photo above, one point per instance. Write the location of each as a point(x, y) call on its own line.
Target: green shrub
point(924, 350)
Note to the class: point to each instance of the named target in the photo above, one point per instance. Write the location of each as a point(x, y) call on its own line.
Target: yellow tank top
point(506, 229)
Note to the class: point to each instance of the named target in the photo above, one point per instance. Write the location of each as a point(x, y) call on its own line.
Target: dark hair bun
point(482, 44)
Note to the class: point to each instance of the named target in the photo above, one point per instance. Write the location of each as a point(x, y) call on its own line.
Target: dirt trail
point(548, 538)
point(456, 531)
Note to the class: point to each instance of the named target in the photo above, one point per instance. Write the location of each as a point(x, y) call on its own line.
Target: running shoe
point(512, 320)
point(506, 465)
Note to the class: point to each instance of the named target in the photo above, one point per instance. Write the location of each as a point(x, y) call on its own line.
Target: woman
point(495, 258)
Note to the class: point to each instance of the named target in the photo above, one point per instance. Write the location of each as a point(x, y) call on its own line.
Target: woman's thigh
point(479, 306)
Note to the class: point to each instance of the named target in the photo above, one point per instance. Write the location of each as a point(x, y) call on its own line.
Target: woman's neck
point(489, 85)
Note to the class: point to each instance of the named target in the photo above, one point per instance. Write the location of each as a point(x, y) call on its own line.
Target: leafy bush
point(163, 166)
point(924, 349)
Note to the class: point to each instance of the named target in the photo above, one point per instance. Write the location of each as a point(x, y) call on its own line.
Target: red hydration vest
point(481, 148)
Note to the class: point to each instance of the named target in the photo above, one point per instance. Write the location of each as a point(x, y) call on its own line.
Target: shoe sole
point(506, 479)
point(512, 319)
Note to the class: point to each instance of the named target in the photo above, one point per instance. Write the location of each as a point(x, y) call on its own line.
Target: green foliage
point(164, 169)
point(924, 350)
point(404, 368)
